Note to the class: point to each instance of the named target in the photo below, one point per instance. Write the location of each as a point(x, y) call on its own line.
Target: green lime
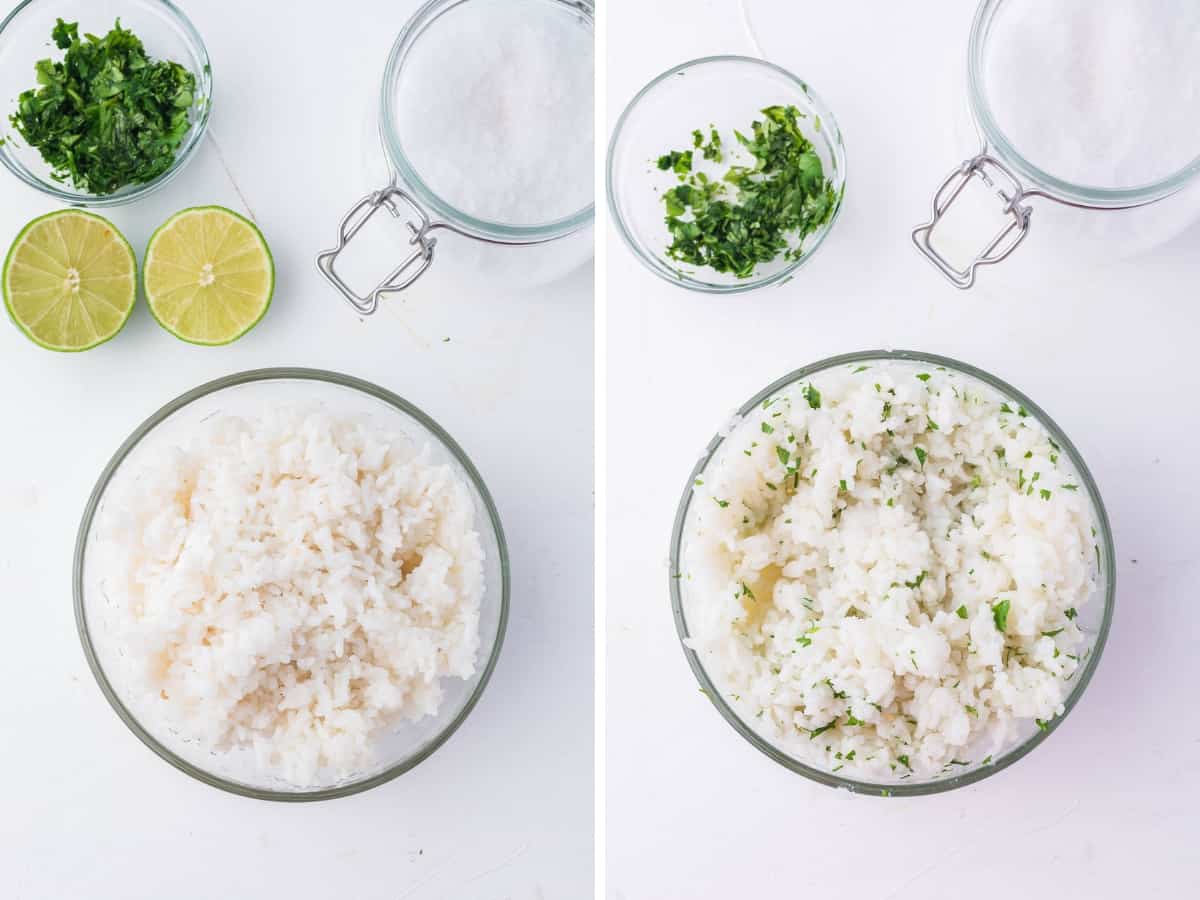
point(208, 275)
point(70, 280)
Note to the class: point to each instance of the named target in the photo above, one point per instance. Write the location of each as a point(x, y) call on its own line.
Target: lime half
point(208, 275)
point(70, 280)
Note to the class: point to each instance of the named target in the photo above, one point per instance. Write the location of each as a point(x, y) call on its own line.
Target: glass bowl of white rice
point(893, 573)
point(291, 584)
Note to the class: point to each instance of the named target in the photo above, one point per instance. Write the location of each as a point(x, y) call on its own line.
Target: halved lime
point(70, 280)
point(208, 275)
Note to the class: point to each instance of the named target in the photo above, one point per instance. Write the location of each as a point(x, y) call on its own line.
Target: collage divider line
point(599, 455)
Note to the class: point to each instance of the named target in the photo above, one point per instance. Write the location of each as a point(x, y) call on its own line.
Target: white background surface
point(1107, 806)
point(503, 811)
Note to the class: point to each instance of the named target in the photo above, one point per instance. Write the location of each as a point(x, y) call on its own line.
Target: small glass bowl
point(249, 393)
point(723, 91)
point(1094, 619)
point(25, 39)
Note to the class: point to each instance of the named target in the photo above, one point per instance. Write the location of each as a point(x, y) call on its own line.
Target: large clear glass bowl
point(250, 393)
point(25, 38)
point(723, 91)
point(1094, 618)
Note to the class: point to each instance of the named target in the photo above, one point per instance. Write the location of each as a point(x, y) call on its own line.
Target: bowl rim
point(829, 122)
point(266, 375)
point(390, 131)
point(898, 788)
point(196, 134)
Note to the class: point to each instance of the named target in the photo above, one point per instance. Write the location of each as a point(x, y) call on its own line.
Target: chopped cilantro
point(1000, 614)
point(755, 213)
point(814, 732)
point(676, 161)
point(107, 115)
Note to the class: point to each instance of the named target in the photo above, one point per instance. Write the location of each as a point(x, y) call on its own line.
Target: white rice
point(846, 569)
point(293, 585)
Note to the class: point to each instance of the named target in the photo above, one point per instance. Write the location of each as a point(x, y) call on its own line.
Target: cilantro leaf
point(1000, 614)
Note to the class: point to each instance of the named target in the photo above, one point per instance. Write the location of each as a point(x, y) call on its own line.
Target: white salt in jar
point(486, 124)
point(1088, 116)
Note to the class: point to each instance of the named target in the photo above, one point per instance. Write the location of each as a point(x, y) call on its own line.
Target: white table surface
point(1107, 807)
point(501, 812)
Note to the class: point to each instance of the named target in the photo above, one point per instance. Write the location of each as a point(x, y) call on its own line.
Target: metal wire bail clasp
point(404, 274)
point(997, 178)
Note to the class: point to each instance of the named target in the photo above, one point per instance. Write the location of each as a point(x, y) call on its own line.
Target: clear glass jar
point(987, 206)
point(486, 254)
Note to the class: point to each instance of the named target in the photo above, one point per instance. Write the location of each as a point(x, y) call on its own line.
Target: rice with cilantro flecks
point(293, 586)
point(883, 567)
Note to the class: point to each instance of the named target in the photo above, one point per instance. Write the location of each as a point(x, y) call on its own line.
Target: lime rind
point(17, 244)
point(150, 258)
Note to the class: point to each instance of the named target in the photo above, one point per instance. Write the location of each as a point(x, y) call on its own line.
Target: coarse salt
point(494, 109)
point(1103, 93)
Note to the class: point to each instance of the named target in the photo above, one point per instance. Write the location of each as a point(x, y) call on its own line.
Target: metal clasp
point(400, 277)
point(995, 177)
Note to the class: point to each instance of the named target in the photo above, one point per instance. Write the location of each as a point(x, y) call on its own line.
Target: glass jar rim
point(389, 133)
point(489, 512)
point(204, 88)
point(1048, 184)
point(898, 789)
